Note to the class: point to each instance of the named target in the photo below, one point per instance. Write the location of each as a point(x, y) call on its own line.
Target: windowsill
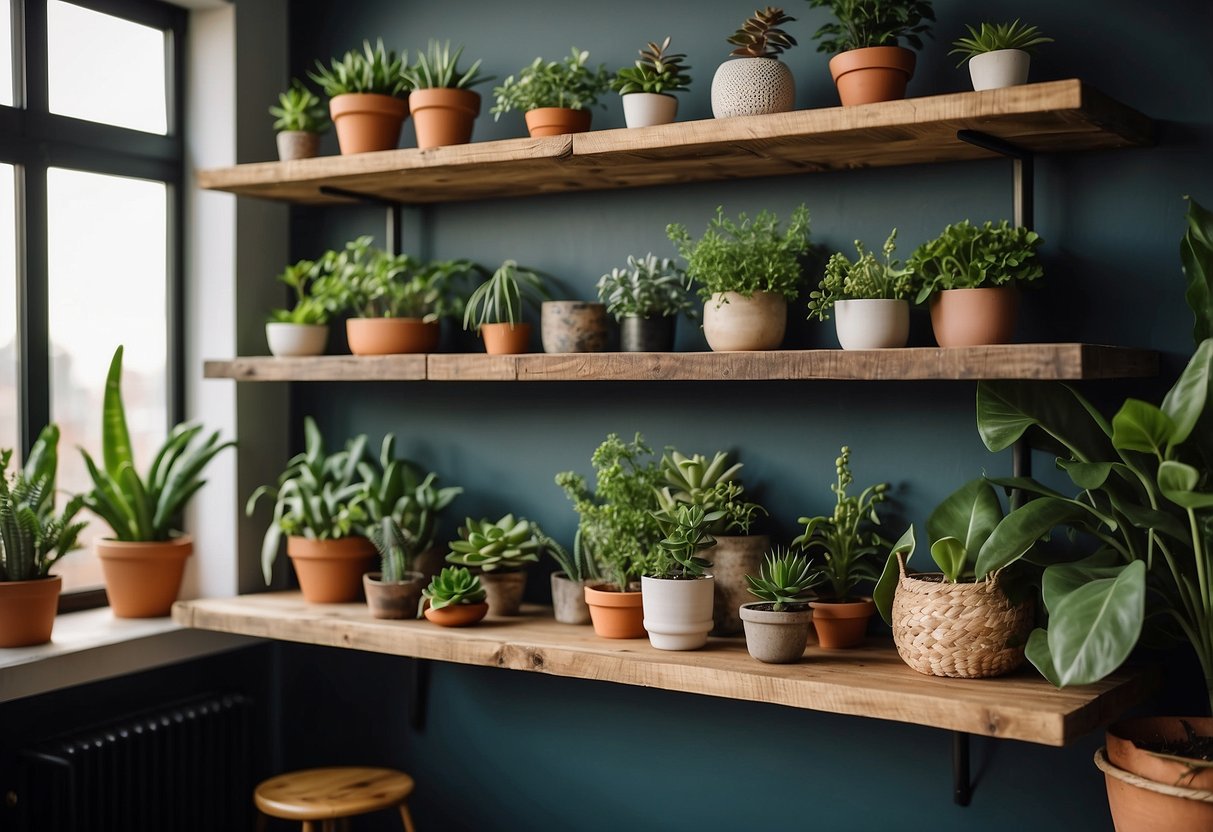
point(92, 645)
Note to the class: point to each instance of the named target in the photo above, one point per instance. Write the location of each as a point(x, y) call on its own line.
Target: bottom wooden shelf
point(871, 681)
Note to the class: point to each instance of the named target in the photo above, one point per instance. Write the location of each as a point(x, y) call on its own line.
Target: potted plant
point(646, 297)
point(33, 538)
point(395, 590)
point(367, 93)
point(998, 54)
point(849, 547)
point(572, 326)
point(747, 271)
point(971, 274)
point(755, 81)
point(676, 591)
point(554, 95)
point(869, 64)
point(577, 570)
point(300, 119)
point(777, 625)
point(443, 104)
point(494, 309)
point(454, 598)
point(647, 86)
point(499, 553)
point(870, 298)
point(302, 329)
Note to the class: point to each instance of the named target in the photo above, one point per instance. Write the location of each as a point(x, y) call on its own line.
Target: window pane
point(8, 310)
point(6, 54)
point(108, 286)
point(106, 69)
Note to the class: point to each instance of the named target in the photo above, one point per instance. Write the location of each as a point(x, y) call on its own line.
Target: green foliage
point(686, 535)
point(299, 109)
point(374, 284)
point(866, 279)
point(969, 256)
point(655, 71)
point(373, 70)
point(568, 83)
point(646, 288)
point(992, 37)
point(396, 549)
point(438, 68)
point(317, 294)
point(710, 484)
point(499, 299)
point(145, 508)
point(32, 537)
point(397, 488)
point(505, 546)
point(1196, 257)
point(784, 580)
point(452, 586)
point(744, 255)
point(859, 24)
point(761, 37)
point(576, 565)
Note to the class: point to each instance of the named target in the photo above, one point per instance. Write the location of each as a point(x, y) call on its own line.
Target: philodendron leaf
point(1095, 627)
point(1187, 399)
point(1086, 475)
point(1061, 580)
point(1196, 257)
point(1038, 654)
point(1143, 517)
point(949, 555)
point(886, 585)
point(1006, 410)
point(1019, 531)
point(1178, 483)
point(968, 514)
point(1140, 426)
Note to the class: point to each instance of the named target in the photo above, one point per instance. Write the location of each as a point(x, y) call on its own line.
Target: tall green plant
point(568, 83)
point(32, 537)
point(397, 550)
point(375, 69)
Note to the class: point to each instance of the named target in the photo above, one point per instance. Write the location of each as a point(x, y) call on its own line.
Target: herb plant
point(373, 70)
point(710, 484)
point(992, 37)
point(969, 256)
point(317, 297)
point(299, 109)
point(784, 580)
point(761, 37)
point(32, 537)
point(499, 299)
point(438, 68)
point(686, 535)
point(568, 83)
point(396, 549)
point(646, 288)
point(507, 545)
point(453, 586)
point(655, 71)
point(868, 278)
point(859, 24)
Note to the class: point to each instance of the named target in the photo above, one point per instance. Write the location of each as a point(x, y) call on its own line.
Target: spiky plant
point(761, 37)
point(453, 585)
point(685, 529)
point(505, 546)
point(32, 537)
point(299, 109)
point(784, 579)
point(375, 69)
point(438, 68)
point(710, 484)
point(992, 37)
point(396, 547)
point(655, 71)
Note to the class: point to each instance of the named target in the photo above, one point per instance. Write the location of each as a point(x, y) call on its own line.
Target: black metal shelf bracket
point(962, 783)
point(419, 688)
point(393, 212)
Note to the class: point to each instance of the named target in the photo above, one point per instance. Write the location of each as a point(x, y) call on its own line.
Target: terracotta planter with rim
point(367, 122)
point(1142, 806)
point(615, 614)
point(457, 615)
point(734, 322)
point(503, 591)
point(775, 637)
point(27, 611)
point(733, 557)
point(843, 625)
point(297, 144)
point(393, 599)
point(877, 73)
point(568, 600)
point(391, 336)
point(142, 579)
point(506, 339)
point(974, 317)
point(556, 121)
point(330, 571)
point(443, 116)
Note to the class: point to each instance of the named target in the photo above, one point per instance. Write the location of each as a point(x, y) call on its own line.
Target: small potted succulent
point(443, 105)
point(777, 625)
point(676, 590)
point(998, 54)
point(454, 598)
point(555, 96)
point(494, 309)
point(303, 330)
point(646, 297)
point(395, 590)
point(870, 298)
point(869, 64)
point(499, 553)
point(300, 119)
point(755, 81)
point(367, 93)
point(648, 86)
point(971, 274)
point(747, 271)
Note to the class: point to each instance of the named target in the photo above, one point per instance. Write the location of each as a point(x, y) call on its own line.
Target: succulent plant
point(453, 585)
point(438, 68)
point(761, 37)
point(299, 109)
point(505, 546)
point(32, 538)
point(646, 288)
point(655, 71)
point(784, 579)
point(373, 70)
point(685, 529)
point(992, 37)
point(710, 484)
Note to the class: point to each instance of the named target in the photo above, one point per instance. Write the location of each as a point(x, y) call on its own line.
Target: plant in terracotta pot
point(647, 87)
point(494, 309)
point(395, 590)
point(454, 598)
point(676, 591)
point(499, 552)
point(367, 93)
point(870, 298)
point(998, 54)
point(869, 64)
point(646, 297)
point(777, 625)
point(299, 119)
point(971, 275)
point(302, 329)
point(577, 569)
point(746, 270)
point(755, 82)
point(443, 104)
point(554, 95)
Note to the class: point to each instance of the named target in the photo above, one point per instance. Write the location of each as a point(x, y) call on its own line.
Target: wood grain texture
point(321, 368)
point(871, 681)
point(337, 792)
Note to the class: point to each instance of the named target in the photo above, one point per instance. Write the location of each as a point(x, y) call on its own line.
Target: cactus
point(396, 547)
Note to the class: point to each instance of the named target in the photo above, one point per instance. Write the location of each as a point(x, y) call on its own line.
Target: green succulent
point(761, 37)
point(859, 24)
point(686, 535)
point(868, 278)
point(500, 298)
point(452, 586)
point(711, 484)
point(655, 72)
point(967, 256)
point(568, 83)
point(373, 70)
point(438, 68)
point(299, 109)
point(505, 546)
point(992, 37)
point(646, 288)
point(784, 579)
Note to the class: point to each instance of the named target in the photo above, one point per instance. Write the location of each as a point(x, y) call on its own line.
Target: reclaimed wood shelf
point(870, 682)
point(1056, 116)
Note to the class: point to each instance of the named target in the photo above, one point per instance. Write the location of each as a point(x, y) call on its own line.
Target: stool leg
point(406, 819)
point(308, 826)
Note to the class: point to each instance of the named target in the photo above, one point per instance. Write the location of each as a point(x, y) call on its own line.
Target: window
point(90, 180)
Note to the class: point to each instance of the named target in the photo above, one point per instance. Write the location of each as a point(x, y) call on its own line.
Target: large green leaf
point(1188, 398)
point(969, 514)
point(1086, 475)
point(1144, 517)
point(1061, 580)
point(1068, 425)
point(886, 585)
point(115, 438)
point(1178, 482)
point(949, 555)
point(1094, 628)
point(1038, 654)
point(1022, 528)
point(1140, 426)
point(1196, 258)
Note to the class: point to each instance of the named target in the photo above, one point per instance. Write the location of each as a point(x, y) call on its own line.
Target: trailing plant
point(397, 550)
point(646, 288)
point(33, 538)
point(567, 83)
point(507, 545)
point(685, 530)
point(969, 256)
point(744, 255)
point(784, 580)
point(317, 296)
point(859, 24)
point(761, 37)
point(373, 70)
point(438, 68)
point(1196, 258)
point(656, 71)
point(499, 299)
point(993, 37)
point(453, 586)
point(867, 278)
point(299, 109)
point(710, 484)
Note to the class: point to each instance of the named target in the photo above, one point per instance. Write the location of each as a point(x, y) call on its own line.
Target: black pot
point(647, 334)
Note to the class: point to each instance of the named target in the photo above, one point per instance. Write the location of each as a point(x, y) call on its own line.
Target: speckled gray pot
point(752, 87)
point(568, 600)
point(733, 557)
point(503, 591)
point(393, 600)
point(296, 144)
point(776, 637)
point(646, 334)
point(573, 326)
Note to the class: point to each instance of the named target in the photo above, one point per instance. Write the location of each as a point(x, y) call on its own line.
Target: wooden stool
point(332, 796)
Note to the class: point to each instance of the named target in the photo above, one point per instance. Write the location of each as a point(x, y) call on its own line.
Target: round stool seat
point(329, 793)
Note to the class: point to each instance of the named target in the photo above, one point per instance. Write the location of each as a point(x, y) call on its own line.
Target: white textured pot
point(872, 324)
point(677, 613)
point(733, 322)
point(292, 340)
point(645, 109)
point(752, 87)
point(1000, 68)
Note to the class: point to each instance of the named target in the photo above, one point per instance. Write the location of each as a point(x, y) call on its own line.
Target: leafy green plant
point(32, 537)
point(299, 109)
point(1196, 258)
point(710, 484)
point(374, 284)
point(500, 298)
point(398, 489)
point(507, 545)
point(685, 530)
point(438, 68)
point(967, 256)
point(316, 295)
point(761, 37)
point(577, 565)
point(859, 24)
point(568, 83)
point(992, 37)
point(396, 549)
point(744, 255)
point(784, 580)
point(646, 288)
point(144, 508)
point(373, 70)
point(656, 71)
point(868, 278)
point(453, 586)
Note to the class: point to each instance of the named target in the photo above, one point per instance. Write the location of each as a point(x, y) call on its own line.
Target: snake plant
point(505, 546)
point(32, 538)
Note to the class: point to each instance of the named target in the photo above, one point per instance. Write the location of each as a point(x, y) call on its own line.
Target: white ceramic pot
point(752, 87)
point(733, 322)
point(1000, 68)
point(872, 324)
point(645, 109)
point(677, 614)
point(292, 340)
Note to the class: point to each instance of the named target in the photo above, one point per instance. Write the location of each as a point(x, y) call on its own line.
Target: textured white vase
point(293, 340)
point(733, 322)
point(1000, 68)
point(677, 614)
point(645, 109)
point(752, 87)
point(872, 324)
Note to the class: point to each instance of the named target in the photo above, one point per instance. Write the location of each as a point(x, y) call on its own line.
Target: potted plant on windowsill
point(299, 119)
point(555, 96)
point(755, 82)
point(777, 625)
point(303, 330)
point(676, 591)
point(443, 105)
point(494, 309)
point(367, 93)
point(499, 553)
point(747, 271)
point(646, 297)
point(647, 87)
point(998, 54)
point(454, 598)
point(870, 298)
point(395, 590)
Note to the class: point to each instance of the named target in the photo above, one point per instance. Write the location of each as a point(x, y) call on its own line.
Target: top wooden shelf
point(1056, 116)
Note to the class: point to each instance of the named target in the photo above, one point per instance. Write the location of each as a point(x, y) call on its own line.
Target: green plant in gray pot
point(777, 625)
point(500, 553)
point(299, 119)
point(395, 590)
point(577, 570)
point(646, 297)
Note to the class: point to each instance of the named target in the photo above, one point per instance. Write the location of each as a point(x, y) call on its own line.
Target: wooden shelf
point(869, 682)
point(1064, 362)
point(1056, 116)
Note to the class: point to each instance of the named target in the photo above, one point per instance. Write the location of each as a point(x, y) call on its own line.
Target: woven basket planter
point(963, 630)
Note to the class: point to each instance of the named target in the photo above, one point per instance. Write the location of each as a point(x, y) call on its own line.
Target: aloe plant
point(374, 70)
point(453, 585)
point(686, 535)
point(438, 68)
point(32, 537)
point(784, 580)
point(712, 485)
point(507, 545)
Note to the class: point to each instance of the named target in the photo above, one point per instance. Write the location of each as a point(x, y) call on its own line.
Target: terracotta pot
point(1124, 753)
point(841, 625)
point(457, 615)
point(297, 144)
point(142, 579)
point(677, 613)
point(503, 591)
point(443, 116)
point(868, 324)
point(291, 340)
point(752, 87)
point(974, 317)
point(877, 73)
point(615, 614)
point(556, 121)
point(391, 336)
point(733, 322)
point(572, 326)
point(1000, 68)
point(733, 557)
point(776, 637)
point(395, 599)
point(330, 571)
point(568, 600)
point(1146, 792)
point(646, 109)
point(27, 611)
point(506, 339)
point(647, 334)
point(366, 122)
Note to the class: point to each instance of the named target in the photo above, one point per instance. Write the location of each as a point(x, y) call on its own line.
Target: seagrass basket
point(963, 630)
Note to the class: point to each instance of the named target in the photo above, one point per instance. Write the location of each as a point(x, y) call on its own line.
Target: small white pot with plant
point(646, 297)
point(870, 298)
point(647, 87)
point(675, 590)
point(777, 625)
point(555, 96)
point(300, 118)
point(999, 54)
point(302, 330)
point(755, 82)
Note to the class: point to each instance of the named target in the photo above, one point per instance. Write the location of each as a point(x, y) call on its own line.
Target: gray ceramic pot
point(395, 599)
point(568, 600)
point(646, 334)
point(503, 591)
point(573, 326)
point(733, 557)
point(775, 637)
